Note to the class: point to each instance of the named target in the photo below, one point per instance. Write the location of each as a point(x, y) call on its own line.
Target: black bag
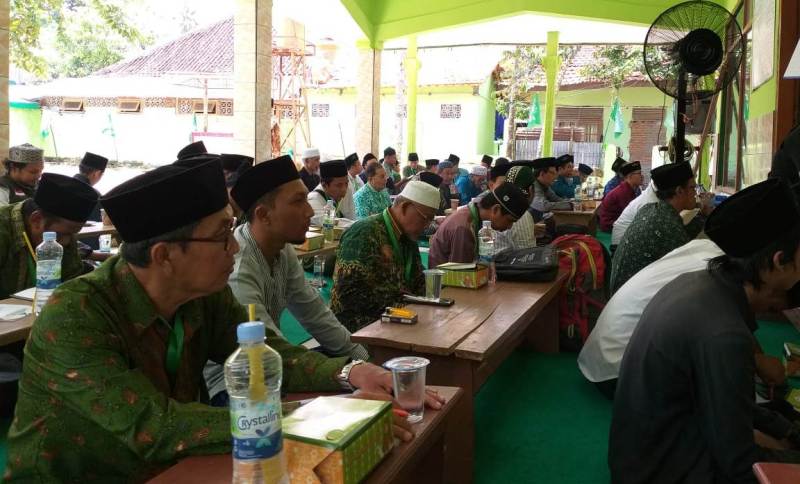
point(536, 264)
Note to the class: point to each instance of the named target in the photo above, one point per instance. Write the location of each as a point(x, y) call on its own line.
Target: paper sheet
point(13, 312)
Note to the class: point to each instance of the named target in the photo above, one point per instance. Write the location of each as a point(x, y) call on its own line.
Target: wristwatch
point(344, 375)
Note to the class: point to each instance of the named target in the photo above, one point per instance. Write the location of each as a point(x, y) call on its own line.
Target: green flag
point(616, 116)
point(109, 130)
point(535, 114)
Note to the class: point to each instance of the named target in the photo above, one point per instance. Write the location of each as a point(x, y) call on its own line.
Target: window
point(450, 111)
point(320, 110)
point(197, 107)
point(733, 129)
point(129, 106)
point(72, 104)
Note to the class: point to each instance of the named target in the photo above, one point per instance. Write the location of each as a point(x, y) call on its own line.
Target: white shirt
point(346, 205)
point(601, 356)
point(626, 217)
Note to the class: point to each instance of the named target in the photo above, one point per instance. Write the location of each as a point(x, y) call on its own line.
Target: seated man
point(354, 169)
point(378, 258)
point(617, 179)
point(24, 167)
point(368, 158)
point(231, 163)
point(332, 187)
point(521, 235)
point(601, 355)
point(618, 199)
point(456, 160)
point(392, 167)
point(624, 220)
point(267, 272)
point(658, 228)
point(91, 171)
point(447, 171)
point(684, 409)
point(309, 173)
point(112, 384)
point(413, 166)
point(544, 199)
point(372, 198)
point(457, 237)
point(565, 184)
point(61, 204)
point(472, 185)
point(497, 175)
point(486, 161)
point(432, 165)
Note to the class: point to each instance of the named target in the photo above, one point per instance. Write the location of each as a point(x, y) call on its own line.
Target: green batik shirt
point(408, 171)
point(368, 202)
point(655, 231)
point(96, 403)
point(17, 267)
point(368, 276)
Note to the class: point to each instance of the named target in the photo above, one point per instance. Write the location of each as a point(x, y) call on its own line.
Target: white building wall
point(153, 136)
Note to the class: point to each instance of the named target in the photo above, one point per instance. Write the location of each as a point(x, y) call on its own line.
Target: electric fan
point(692, 51)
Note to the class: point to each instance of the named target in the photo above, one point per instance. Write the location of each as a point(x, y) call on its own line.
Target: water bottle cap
point(49, 236)
point(250, 332)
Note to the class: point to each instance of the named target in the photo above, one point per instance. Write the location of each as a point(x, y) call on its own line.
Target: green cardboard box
point(469, 275)
point(335, 440)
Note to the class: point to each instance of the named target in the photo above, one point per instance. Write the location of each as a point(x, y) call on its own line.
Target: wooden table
point(14, 331)
point(96, 229)
point(467, 342)
point(329, 248)
point(423, 460)
point(585, 218)
point(776, 473)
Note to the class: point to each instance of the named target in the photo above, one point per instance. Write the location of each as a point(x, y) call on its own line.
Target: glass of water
point(319, 272)
point(408, 380)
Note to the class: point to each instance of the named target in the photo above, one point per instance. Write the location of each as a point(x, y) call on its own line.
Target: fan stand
point(680, 122)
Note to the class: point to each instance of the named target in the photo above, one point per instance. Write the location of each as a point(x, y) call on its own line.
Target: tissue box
point(314, 241)
point(471, 276)
point(335, 440)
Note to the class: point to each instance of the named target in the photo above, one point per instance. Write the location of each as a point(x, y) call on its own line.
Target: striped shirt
point(521, 235)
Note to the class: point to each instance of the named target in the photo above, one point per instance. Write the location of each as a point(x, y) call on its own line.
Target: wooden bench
point(467, 342)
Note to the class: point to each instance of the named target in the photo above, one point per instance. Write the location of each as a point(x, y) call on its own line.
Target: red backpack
point(583, 296)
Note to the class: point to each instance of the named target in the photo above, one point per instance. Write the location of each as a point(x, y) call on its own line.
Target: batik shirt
point(96, 402)
point(369, 274)
point(17, 267)
point(656, 231)
point(369, 202)
point(409, 172)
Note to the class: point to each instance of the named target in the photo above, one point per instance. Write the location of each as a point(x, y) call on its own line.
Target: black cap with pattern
point(512, 199)
point(25, 153)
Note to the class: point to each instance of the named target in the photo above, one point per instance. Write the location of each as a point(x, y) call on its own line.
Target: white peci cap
point(310, 153)
point(478, 170)
point(422, 193)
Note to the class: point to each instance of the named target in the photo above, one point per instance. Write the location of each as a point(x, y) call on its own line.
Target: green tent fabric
point(535, 115)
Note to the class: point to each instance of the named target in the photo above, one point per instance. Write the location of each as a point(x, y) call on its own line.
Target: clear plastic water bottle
point(253, 376)
point(328, 220)
point(48, 269)
point(486, 240)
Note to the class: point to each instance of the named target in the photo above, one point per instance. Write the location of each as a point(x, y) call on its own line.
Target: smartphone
point(446, 302)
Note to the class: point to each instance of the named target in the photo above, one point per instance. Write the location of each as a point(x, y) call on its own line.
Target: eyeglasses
point(428, 219)
point(225, 240)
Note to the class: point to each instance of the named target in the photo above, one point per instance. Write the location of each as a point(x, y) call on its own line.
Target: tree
point(614, 64)
point(95, 22)
point(518, 71)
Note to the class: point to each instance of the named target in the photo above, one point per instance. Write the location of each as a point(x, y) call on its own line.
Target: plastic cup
point(104, 217)
point(433, 283)
point(408, 378)
point(105, 243)
point(319, 271)
point(454, 203)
